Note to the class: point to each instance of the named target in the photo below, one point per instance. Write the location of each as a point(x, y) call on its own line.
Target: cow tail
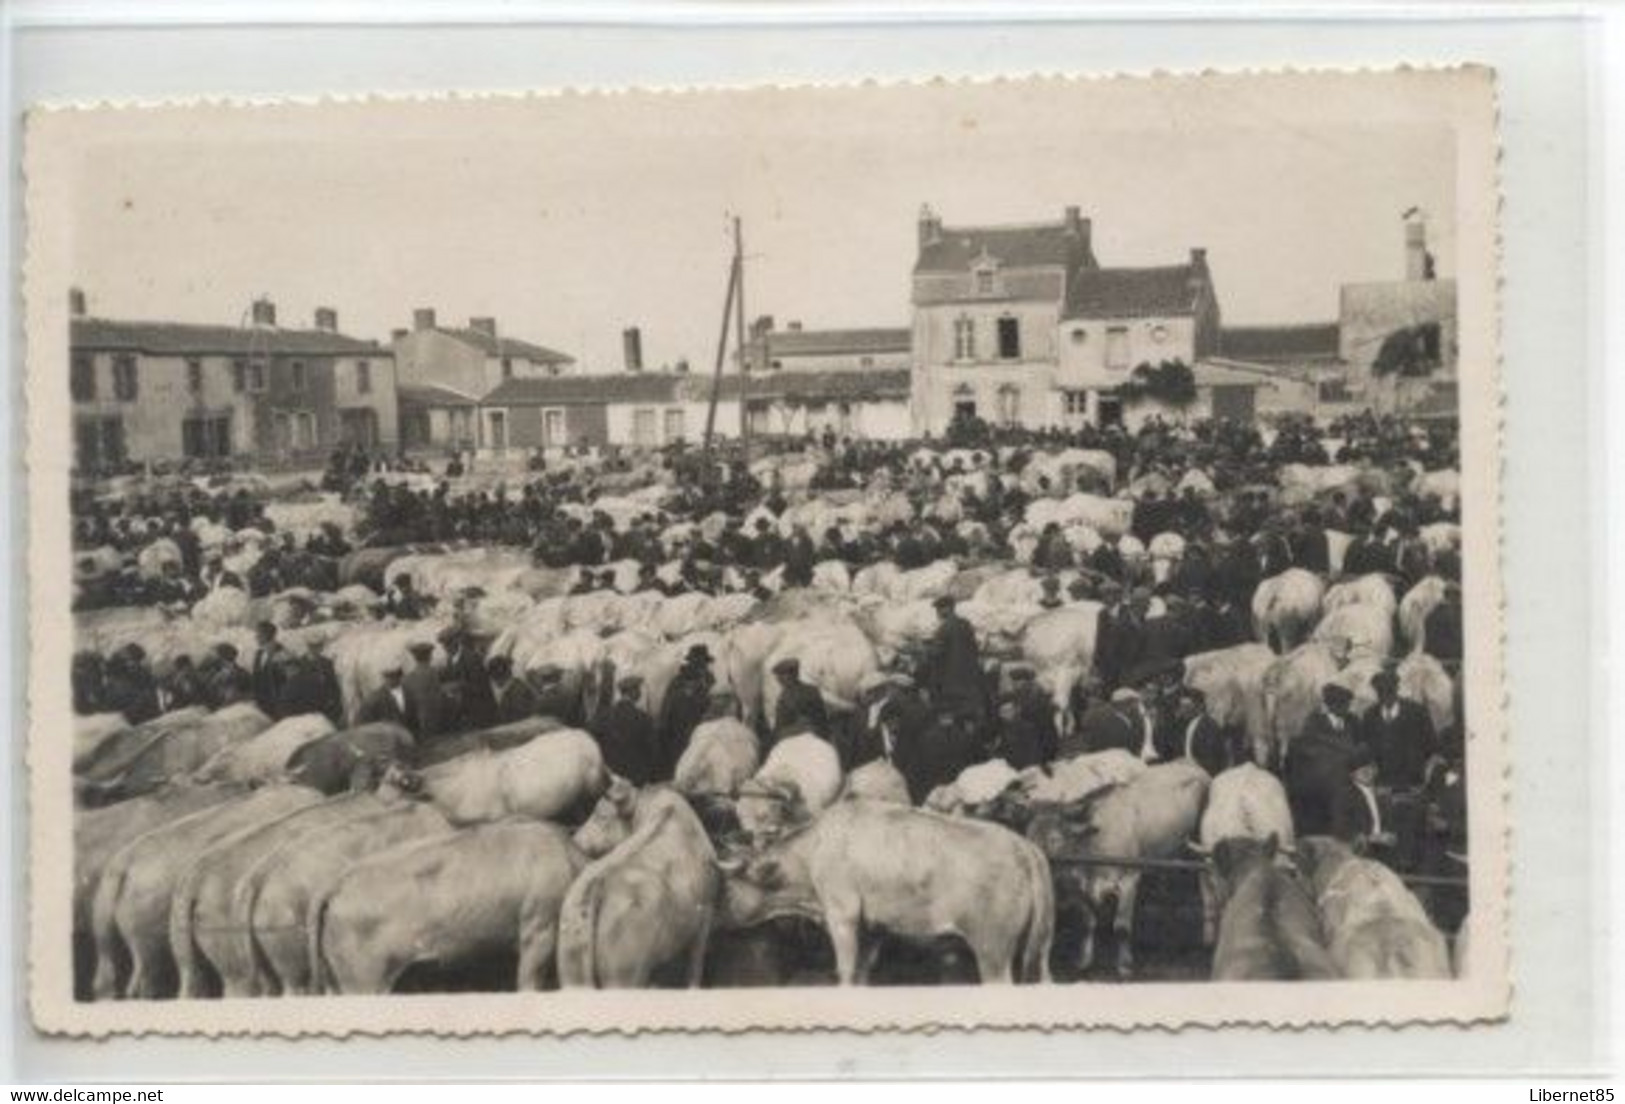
point(244, 900)
point(111, 949)
point(577, 951)
point(182, 919)
point(322, 979)
point(1039, 935)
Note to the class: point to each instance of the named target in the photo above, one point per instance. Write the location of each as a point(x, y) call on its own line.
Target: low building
point(1302, 360)
point(656, 409)
point(1414, 317)
point(436, 417)
point(469, 360)
point(163, 391)
point(795, 349)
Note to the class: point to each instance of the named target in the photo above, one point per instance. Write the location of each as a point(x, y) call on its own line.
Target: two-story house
point(445, 371)
point(1022, 325)
point(162, 391)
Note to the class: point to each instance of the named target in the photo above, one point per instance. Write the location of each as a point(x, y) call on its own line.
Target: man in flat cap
point(953, 669)
point(1027, 733)
point(800, 707)
point(1319, 764)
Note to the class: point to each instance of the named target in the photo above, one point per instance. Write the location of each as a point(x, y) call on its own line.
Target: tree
point(1171, 383)
point(1410, 352)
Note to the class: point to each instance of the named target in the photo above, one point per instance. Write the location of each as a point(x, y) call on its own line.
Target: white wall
point(1083, 345)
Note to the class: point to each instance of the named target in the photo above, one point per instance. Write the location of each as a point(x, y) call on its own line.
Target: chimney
point(327, 319)
point(397, 335)
point(76, 302)
point(1418, 261)
point(423, 318)
point(632, 349)
point(795, 326)
point(486, 326)
point(1074, 221)
point(930, 226)
point(264, 312)
point(1199, 274)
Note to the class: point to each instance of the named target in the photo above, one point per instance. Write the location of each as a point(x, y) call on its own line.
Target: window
point(644, 427)
point(239, 376)
point(126, 381)
point(1009, 404)
point(866, 362)
point(507, 368)
point(98, 442)
point(256, 375)
point(304, 429)
point(553, 428)
point(1117, 347)
point(984, 281)
point(1074, 403)
point(363, 377)
point(1010, 338)
point(1079, 335)
point(964, 338)
point(1159, 333)
point(206, 437)
point(296, 375)
point(82, 377)
point(674, 426)
point(194, 376)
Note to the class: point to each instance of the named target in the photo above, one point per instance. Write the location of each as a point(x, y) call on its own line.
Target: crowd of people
point(939, 708)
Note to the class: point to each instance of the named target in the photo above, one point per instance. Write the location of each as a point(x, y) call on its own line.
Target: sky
point(568, 218)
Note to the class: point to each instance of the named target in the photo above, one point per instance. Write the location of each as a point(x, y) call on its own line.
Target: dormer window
point(984, 281)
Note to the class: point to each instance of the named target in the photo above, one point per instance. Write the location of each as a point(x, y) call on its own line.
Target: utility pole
point(739, 339)
point(734, 280)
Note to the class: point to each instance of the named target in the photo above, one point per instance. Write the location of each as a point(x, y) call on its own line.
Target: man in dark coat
point(183, 687)
point(800, 707)
point(387, 703)
point(1318, 768)
point(555, 699)
point(426, 713)
point(906, 729)
point(1105, 725)
point(311, 686)
point(1027, 734)
point(270, 661)
point(512, 699)
point(954, 666)
point(1441, 631)
point(626, 736)
point(1368, 554)
point(687, 699)
point(800, 557)
point(224, 679)
point(1310, 549)
point(1399, 733)
point(403, 601)
point(1187, 732)
point(466, 681)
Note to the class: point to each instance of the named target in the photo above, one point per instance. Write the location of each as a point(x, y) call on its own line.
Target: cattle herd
point(1173, 704)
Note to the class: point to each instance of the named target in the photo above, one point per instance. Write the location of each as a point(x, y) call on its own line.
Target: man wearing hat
point(1106, 725)
point(270, 659)
point(1189, 733)
point(426, 713)
point(388, 702)
point(311, 685)
point(800, 707)
point(512, 699)
point(465, 680)
point(626, 735)
point(1399, 732)
point(1027, 733)
point(553, 698)
point(953, 667)
point(687, 699)
point(1318, 766)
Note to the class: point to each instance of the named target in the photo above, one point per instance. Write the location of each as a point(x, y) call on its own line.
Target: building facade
point(147, 392)
point(1419, 311)
point(1022, 325)
point(469, 360)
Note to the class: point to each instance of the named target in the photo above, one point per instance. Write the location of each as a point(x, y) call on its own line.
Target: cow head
point(398, 783)
point(610, 822)
point(768, 882)
point(1234, 857)
point(1319, 858)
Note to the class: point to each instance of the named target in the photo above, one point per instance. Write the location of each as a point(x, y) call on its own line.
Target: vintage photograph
point(782, 557)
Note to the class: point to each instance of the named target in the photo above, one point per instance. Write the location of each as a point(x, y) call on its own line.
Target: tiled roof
point(790, 343)
point(186, 339)
point(834, 384)
point(1304, 341)
point(655, 387)
point(507, 346)
point(1130, 292)
point(672, 387)
point(957, 248)
point(433, 394)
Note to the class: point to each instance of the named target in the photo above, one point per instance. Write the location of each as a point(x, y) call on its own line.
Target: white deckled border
point(1463, 97)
